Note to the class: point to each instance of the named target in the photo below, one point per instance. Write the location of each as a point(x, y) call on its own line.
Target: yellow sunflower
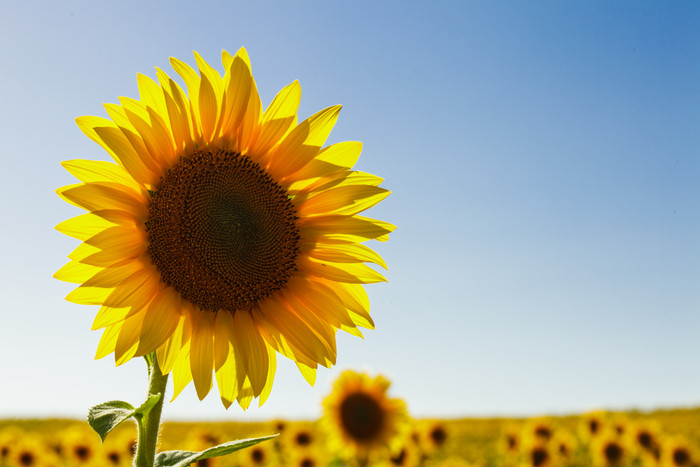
point(609, 449)
point(677, 452)
point(30, 450)
point(359, 417)
point(224, 233)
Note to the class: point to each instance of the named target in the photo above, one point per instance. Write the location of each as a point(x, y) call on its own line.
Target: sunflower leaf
point(185, 458)
point(104, 417)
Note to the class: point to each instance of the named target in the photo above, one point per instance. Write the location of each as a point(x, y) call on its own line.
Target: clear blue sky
point(544, 159)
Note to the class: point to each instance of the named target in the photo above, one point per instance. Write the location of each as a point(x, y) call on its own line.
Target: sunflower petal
point(168, 352)
point(160, 320)
point(225, 366)
point(345, 200)
point(128, 339)
point(252, 350)
point(182, 373)
point(349, 272)
point(202, 351)
point(347, 253)
point(303, 143)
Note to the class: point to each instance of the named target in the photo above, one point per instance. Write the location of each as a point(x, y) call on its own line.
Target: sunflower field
point(659, 438)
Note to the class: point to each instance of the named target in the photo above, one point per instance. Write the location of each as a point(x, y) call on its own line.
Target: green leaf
point(185, 458)
point(105, 417)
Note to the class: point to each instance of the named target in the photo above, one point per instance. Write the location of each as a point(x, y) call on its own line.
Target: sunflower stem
point(149, 423)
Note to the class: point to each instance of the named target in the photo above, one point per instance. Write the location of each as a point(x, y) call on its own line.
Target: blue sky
point(544, 163)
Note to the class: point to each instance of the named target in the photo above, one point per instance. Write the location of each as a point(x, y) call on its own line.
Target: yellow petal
point(321, 301)
point(113, 140)
point(108, 341)
point(76, 272)
point(253, 113)
point(128, 339)
point(333, 158)
point(224, 359)
point(88, 295)
point(252, 350)
point(344, 228)
point(267, 389)
point(136, 290)
point(350, 273)
point(345, 200)
point(104, 195)
point(308, 373)
point(237, 88)
point(84, 226)
point(151, 94)
point(303, 143)
point(346, 253)
point(108, 316)
point(112, 277)
point(278, 118)
point(284, 327)
point(202, 351)
point(168, 352)
point(191, 79)
point(160, 320)
point(182, 373)
point(100, 171)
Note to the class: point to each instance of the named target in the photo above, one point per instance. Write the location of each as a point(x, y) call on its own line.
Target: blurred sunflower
point(79, 446)
point(307, 458)
point(645, 437)
point(360, 419)
point(592, 424)
point(262, 454)
point(540, 428)
point(408, 455)
point(223, 234)
point(609, 450)
point(30, 451)
point(563, 445)
point(677, 452)
point(537, 453)
point(509, 443)
point(9, 436)
point(434, 436)
point(296, 436)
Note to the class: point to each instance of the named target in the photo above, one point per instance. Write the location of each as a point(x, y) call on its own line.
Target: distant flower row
point(362, 426)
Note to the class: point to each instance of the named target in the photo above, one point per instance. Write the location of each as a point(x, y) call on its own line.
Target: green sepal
point(105, 417)
point(185, 458)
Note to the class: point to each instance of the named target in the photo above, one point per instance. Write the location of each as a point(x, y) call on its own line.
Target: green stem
point(149, 423)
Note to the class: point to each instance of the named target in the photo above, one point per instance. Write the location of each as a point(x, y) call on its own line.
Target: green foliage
point(105, 417)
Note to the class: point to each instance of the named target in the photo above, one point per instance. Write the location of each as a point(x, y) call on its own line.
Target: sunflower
point(537, 453)
point(540, 427)
point(31, 451)
point(609, 449)
point(298, 436)
point(224, 234)
point(307, 458)
point(434, 436)
point(79, 447)
point(262, 454)
point(563, 445)
point(359, 417)
point(676, 452)
point(645, 437)
point(592, 425)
